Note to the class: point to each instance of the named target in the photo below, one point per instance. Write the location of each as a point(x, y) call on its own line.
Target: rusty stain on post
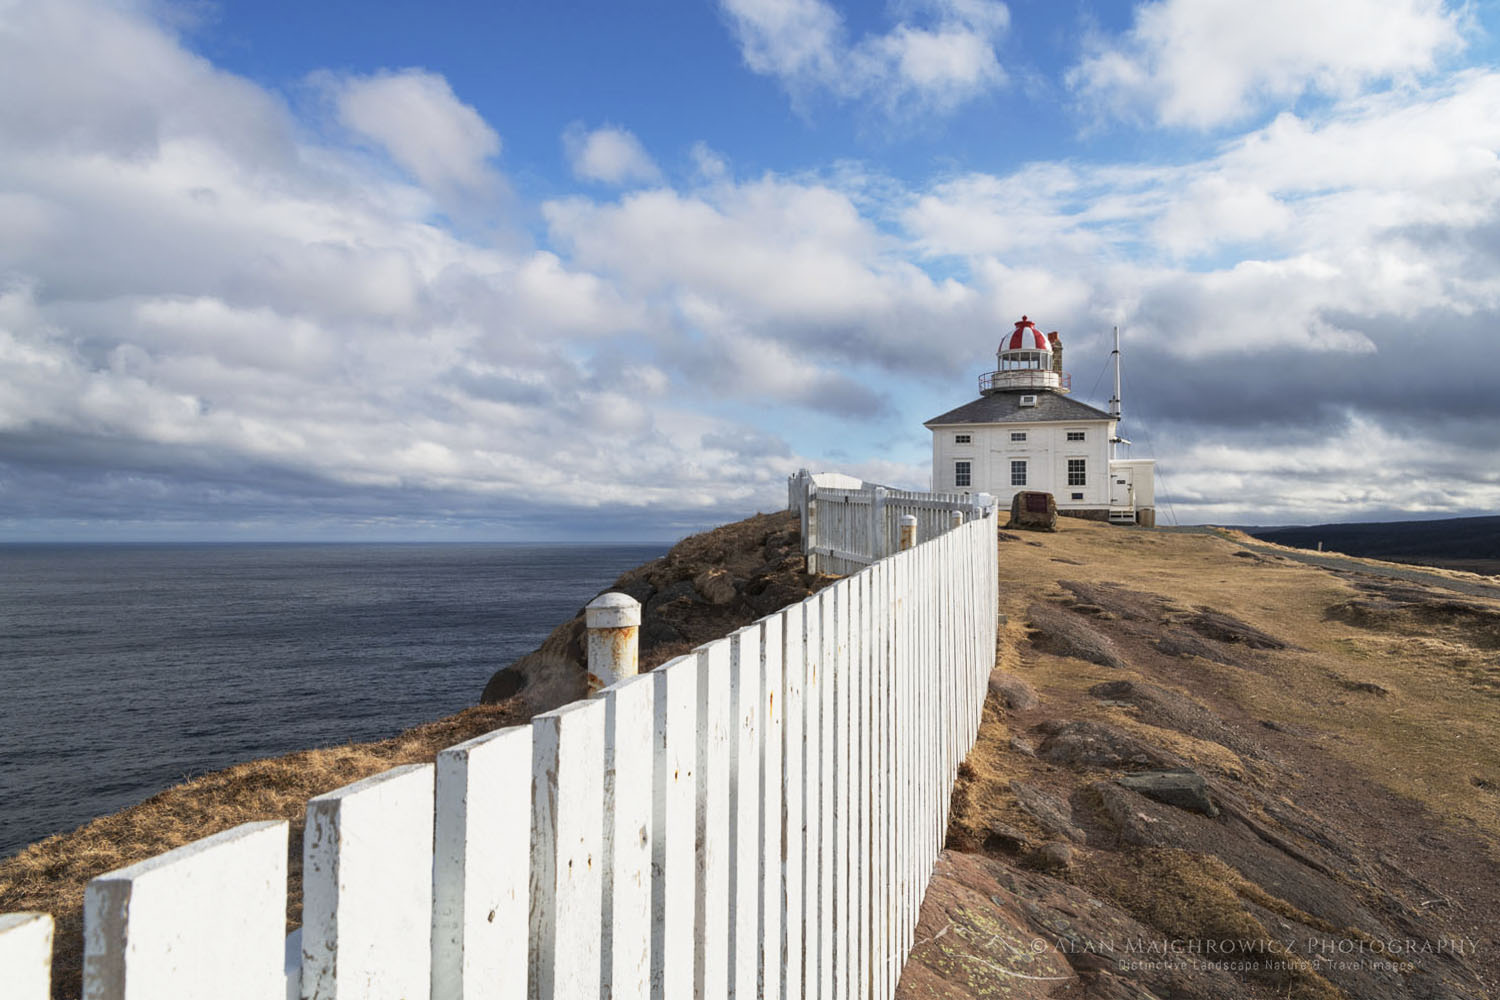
point(613, 622)
point(908, 531)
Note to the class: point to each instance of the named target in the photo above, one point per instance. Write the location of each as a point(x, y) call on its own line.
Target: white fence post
point(567, 851)
point(206, 919)
point(711, 964)
point(367, 888)
point(812, 809)
point(908, 531)
point(794, 754)
point(772, 788)
point(674, 828)
point(613, 622)
point(879, 542)
point(747, 685)
point(482, 868)
point(26, 955)
point(630, 730)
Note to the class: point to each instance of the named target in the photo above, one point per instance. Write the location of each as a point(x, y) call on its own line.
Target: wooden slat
point(482, 867)
point(675, 828)
point(794, 756)
point(26, 955)
point(367, 888)
point(715, 722)
point(567, 851)
point(772, 790)
point(630, 731)
point(747, 688)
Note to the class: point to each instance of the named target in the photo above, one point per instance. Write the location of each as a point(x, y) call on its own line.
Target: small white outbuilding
point(1025, 433)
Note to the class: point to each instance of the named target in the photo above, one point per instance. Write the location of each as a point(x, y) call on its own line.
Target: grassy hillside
point(1334, 737)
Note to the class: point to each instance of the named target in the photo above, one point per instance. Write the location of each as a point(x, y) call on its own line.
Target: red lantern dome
point(1026, 337)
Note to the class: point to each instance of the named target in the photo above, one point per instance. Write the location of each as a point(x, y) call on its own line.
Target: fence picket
point(793, 792)
point(482, 867)
point(747, 686)
point(367, 888)
point(567, 834)
point(206, 918)
point(674, 828)
point(630, 730)
point(812, 785)
point(715, 721)
point(26, 954)
point(772, 785)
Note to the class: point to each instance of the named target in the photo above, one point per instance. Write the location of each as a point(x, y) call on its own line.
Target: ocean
point(125, 669)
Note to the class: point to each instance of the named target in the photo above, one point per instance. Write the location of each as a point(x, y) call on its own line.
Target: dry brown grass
point(50, 875)
point(1197, 898)
point(1430, 739)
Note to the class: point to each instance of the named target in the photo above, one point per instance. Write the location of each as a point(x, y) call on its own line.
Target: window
point(1077, 473)
point(1018, 473)
point(960, 439)
point(1018, 435)
point(960, 473)
point(1075, 435)
point(1077, 496)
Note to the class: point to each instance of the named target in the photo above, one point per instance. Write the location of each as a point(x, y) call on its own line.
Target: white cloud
point(939, 60)
point(1201, 63)
point(609, 155)
point(427, 131)
point(198, 298)
point(785, 260)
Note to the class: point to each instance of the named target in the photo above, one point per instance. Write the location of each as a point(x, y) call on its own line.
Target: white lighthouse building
point(1025, 433)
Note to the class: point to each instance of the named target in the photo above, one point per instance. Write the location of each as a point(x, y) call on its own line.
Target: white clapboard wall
point(758, 818)
point(848, 524)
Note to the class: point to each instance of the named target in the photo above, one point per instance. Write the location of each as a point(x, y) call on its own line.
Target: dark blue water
point(126, 668)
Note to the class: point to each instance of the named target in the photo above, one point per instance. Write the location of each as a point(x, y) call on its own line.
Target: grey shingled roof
point(1005, 408)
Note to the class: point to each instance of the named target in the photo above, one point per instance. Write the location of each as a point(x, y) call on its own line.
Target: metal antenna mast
point(1114, 402)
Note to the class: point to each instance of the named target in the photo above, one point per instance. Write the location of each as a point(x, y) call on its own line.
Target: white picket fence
point(758, 818)
point(848, 524)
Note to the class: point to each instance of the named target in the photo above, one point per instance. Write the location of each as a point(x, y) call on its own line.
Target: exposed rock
point(504, 684)
point(1013, 692)
point(1053, 856)
point(1065, 634)
point(1050, 812)
point(715, 586)
point(990, 929)
point(1179, 642)
point(1102, 746)
point(707, 586)
point(1033, 511)
point(1227, 628)
point(1363, 686)
point(681, 590)
point(1171, 710)
point(1022, 746)
point(1000, 837)
point(1180, 787)
point(1122, 602)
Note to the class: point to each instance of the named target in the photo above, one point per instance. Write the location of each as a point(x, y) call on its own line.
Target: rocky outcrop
point(705, 587)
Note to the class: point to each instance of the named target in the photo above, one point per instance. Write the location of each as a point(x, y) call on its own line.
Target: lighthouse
point(1025, 432)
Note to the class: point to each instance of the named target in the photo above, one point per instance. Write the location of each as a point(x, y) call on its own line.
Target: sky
point(612, 271)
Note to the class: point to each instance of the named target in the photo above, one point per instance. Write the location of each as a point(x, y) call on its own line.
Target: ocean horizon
point(127, 667)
